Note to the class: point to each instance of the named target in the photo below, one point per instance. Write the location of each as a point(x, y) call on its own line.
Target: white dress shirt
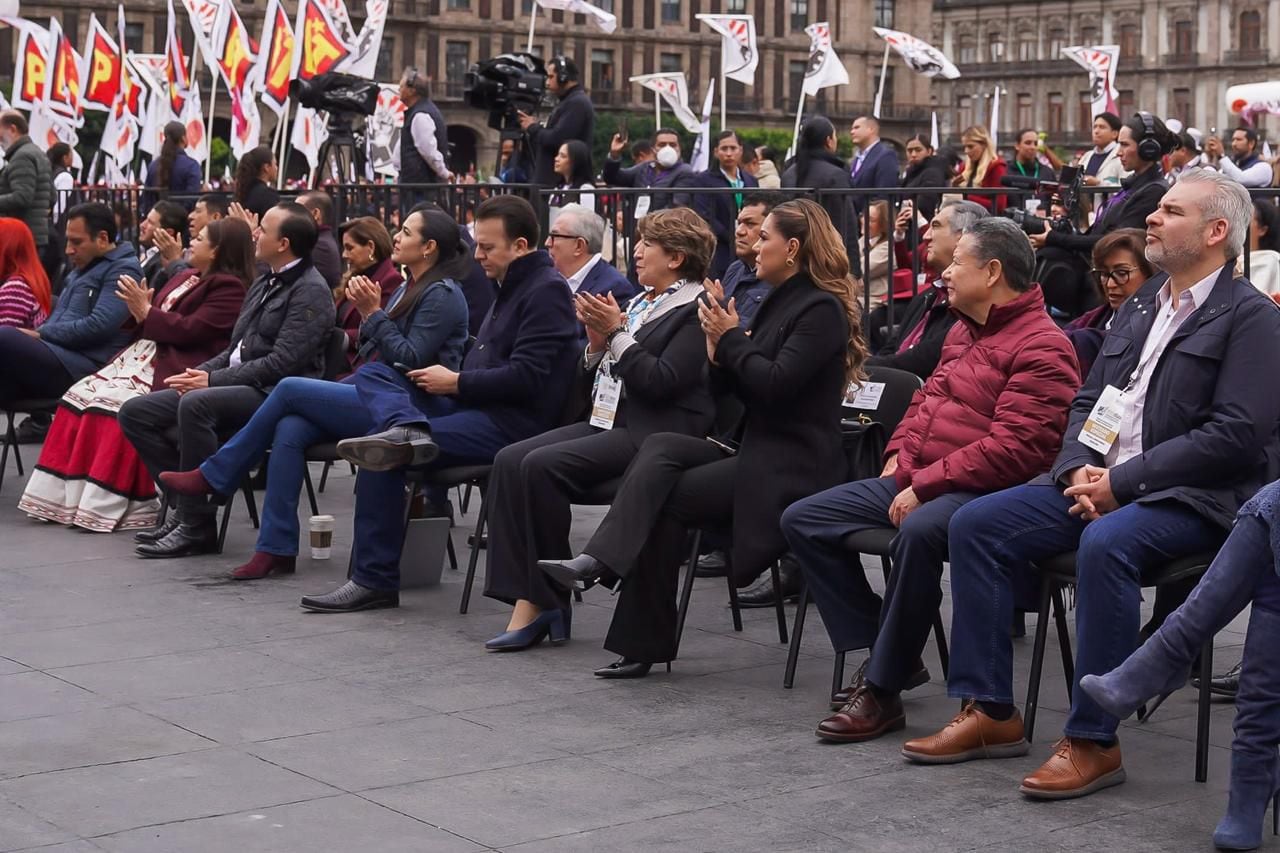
point(1257, 175)
point(1169, 317)
point(423, 131)
point(237, 357)
point(575, 280)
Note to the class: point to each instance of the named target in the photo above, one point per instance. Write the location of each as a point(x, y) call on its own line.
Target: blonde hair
point(974, 173)
point(679, 230)
point(823, 257)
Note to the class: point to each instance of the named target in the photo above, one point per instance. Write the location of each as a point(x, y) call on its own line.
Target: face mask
point(668, 157)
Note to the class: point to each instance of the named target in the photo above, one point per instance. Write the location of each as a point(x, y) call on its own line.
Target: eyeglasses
point(554, 236)
point(1120, 275)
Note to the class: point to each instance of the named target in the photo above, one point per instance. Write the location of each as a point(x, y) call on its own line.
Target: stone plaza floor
point(158, 706)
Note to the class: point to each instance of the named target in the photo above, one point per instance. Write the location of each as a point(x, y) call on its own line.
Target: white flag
point(606, 21)
point(702, 147)
point(310, 130)
point(994, 125)
point(363, 61)
point(920, 56)
point(825, 68)
point(1100, 62)
point(738, 49)
point(673, 89)
point(383, 131)
point(203, 15)
point(933, 132)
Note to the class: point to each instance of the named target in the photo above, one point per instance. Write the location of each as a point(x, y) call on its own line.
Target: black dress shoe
point(34, 429)
point(581, 572)
point(349, 598)
point(185, 540)
point(390, 449)
point(760, 593)
point(161, 530)
point(624, 668)
point(1226, 684)
point(713, 565)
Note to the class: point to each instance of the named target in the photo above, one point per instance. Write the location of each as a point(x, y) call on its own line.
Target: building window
point(736, 7)
point(1130, 40)
point(995, 46)
point(1184, 38)
point(386, 59)
point(799, 14)
point(670, 62)
point(526, 6)
point(966, 50)
point(1026, 47)
point(670, 11)
point(1084, 115)
point(457, 59)
point(795, 77)
point(1026, 112)
point(133, 36)
point(1125, 104)
point(459, 4)
point(1055, 113)
point(1057, 41)
point(1182, 106)
point(1250, 31)
point(607, 5)
point(884, 13)
point(964, 111)
point(1088, 36)
point(602, 70)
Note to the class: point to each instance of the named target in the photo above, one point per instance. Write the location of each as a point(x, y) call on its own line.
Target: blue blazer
point(1210, 436)
point(605, 278)
point(434, 332)
point(521, 368)
point(720, 210)
point(879, 169)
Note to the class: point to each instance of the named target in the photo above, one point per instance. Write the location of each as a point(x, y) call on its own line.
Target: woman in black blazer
point(925, 169)
point(656, 350)
point(789, 375)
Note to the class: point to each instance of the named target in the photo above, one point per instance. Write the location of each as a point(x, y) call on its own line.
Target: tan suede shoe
point(971, 735)
point(1077, 768)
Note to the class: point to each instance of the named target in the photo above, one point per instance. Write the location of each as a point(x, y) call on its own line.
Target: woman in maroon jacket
point(366, 247)
point(89, 475)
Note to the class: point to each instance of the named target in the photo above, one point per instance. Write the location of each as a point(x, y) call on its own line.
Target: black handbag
point(864, 442)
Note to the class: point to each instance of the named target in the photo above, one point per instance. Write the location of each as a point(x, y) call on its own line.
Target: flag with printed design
point(825, 68)
point(31, 71)
point(177, 69)
point(1100, 61)
point(310, 131)
point(275, 60)
point(319, 47)
point(129, 88)
point(237, 52)
point(605, 21)
point(701, 155)
point(246, 122)
point(672, 88)
point(738, 48)
point(102, 63)
point(383, 129)
point(363, 61)
point(203, 15)
point(337, 12)
point(47, 128)
point(920, 56)
point(62, 86)
point(150, 70)
point(121, 134)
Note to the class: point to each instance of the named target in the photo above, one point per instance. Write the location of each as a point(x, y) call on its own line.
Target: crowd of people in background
point(1085, 376)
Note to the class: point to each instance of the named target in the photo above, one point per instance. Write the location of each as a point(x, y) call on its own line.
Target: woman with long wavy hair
point(982, 168)
point(783, 387)
point(366, 247)
point(254, 174)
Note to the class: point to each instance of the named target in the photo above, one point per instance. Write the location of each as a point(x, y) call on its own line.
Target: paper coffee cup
point(321, 536)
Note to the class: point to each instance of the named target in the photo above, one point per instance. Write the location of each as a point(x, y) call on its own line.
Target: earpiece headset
point(566, 70)
point(1150, 148)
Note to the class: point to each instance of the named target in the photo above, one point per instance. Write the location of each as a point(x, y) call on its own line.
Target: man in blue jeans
point(1170, 435)
point(513, 385)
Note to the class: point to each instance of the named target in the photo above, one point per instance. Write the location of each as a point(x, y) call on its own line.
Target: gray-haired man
point(574, 243)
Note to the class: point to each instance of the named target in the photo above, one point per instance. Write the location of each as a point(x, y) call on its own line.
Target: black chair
point(686, 593)
point(20, 407)
point(448, 478)
point(1058, 573)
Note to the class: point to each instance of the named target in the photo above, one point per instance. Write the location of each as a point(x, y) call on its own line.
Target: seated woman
point(425, 323)
point(647, 371)
point(25, 295)
point(1120, 267)
point(366, 247)
point(89, 475)
point(1244, 574)
point(1264, 249)
point(789, 374)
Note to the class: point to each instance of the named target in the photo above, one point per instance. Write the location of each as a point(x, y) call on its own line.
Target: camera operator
point(573, 118)
point(424, 140)
point(1063, 255)
point(1244, 165)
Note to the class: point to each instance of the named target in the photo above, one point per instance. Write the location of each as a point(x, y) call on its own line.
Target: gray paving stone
point(38, 694)
point(21, 828)
point(43, 744)
point(108, 641)
point(9, 667)
point(111, 798)
point(345, 823)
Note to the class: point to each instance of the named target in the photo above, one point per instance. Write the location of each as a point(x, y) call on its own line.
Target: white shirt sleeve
point(424, 139)
point(1257, 175)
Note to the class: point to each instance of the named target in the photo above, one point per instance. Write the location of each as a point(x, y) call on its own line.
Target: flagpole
point(795, 134)
point(724, 90)
point(282, 161)
point(533, 22)
point(208, 134)
point(884, 70)
point(657, 112)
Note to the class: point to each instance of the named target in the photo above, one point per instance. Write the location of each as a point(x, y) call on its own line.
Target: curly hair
point(679, 230)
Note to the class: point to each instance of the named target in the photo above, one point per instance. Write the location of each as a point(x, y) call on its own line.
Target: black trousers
point(676, 482)
point(531, 488)
point(173, 432)
point(29, 369)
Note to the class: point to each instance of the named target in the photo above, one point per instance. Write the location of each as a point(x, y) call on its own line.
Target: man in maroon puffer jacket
point(991, 416)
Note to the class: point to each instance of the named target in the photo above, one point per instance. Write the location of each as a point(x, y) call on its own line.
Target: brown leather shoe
point(842, 696)
point(863, 717)
point(972, 734)
point(1077, 768)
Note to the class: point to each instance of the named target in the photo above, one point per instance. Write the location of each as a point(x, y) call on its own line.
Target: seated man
point(326, 257)
point(83, 331)
point(1167, 439)
point(574, 243)
point(514, 384)
point(917, 344)
point(161, 230)
point(740, 283)
point(282, 330)
point(991, 416)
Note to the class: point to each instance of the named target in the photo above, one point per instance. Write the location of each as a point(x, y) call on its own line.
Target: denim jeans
point(998, 536)
point(297, 414)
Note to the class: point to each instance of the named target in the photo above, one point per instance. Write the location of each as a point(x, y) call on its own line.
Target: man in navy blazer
point(513, 385)
point(875, 163)
point(720, 210)
point(574, 243)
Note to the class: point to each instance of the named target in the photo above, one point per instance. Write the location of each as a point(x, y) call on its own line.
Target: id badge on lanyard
point(607, 397)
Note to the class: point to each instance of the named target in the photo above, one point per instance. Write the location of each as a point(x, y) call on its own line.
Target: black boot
point(186, 540)
point(760, 593)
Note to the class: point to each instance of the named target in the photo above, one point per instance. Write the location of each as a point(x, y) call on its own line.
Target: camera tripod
point(342, 156)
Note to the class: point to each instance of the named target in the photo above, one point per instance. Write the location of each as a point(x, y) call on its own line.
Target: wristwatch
point(608, 339)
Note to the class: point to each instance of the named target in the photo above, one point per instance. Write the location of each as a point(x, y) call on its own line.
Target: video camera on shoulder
point(504, 85)
point(1064, 192)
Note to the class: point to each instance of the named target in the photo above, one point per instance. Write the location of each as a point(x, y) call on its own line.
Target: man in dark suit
point(574, 117)
point(574, 243)
point(327, 255)
point(282, 331)
point(739, 281)
point(720, 210)
point(170, 218)
point(875, 163)
point(1164, 443)
point(513, 385)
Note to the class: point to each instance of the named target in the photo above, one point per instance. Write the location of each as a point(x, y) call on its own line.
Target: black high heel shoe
point(581, 572)
point(624, 668)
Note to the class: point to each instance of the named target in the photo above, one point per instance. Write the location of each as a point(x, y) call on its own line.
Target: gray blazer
point(282, 331)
